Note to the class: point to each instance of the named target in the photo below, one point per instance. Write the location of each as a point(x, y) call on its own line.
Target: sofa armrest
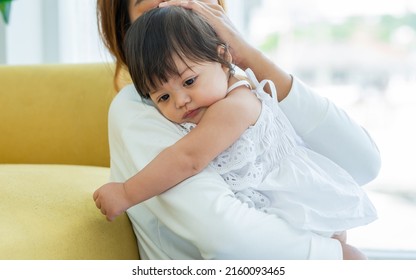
point(55, 113)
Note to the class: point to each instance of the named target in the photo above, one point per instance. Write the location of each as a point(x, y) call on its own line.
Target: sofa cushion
point(47, 212)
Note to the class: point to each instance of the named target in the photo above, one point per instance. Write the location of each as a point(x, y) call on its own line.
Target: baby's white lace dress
point(271, 169)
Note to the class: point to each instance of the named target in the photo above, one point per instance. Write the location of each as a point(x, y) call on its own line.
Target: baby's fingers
point(97, 200)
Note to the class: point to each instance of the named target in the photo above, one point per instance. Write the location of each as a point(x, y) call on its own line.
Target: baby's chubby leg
point(340, 236)
point(349, 252)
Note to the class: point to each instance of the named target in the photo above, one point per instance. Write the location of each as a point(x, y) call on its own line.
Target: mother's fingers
point(204, 8)
point(213, 13)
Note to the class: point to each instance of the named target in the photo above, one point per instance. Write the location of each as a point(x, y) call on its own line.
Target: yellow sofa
point(53, 155)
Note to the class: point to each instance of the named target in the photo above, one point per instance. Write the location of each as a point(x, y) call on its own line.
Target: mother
point(201, 218)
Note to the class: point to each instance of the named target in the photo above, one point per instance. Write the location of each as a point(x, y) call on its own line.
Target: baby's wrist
point(126, 192)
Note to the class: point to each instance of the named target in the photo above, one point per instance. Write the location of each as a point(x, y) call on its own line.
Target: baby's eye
point(164, 98)
point(189, 82)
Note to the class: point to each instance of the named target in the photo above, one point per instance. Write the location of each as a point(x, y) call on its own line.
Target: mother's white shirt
point(200, 218)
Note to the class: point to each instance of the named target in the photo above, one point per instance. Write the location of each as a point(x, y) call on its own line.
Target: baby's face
point(186, 97)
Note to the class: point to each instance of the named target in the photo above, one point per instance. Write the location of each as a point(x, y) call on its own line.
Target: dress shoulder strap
point(238, 84)
point(260, 86)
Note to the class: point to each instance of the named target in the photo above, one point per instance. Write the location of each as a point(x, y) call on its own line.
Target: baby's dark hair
point(159, 35)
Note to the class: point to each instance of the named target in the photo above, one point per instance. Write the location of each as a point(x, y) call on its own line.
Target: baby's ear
point(224, 53)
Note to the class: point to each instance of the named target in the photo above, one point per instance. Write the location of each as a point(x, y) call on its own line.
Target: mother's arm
point(328, 130)
point(323, 126)
point(200, 211)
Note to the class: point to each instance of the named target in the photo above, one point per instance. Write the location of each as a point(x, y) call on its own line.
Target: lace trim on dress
point(261, 147)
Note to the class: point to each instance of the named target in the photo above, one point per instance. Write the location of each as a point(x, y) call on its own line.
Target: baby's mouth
point(190, 114)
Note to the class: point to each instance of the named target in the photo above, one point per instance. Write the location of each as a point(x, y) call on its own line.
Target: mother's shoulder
point(128, 96)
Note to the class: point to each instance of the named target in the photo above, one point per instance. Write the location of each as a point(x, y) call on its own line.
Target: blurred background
point(361, 54)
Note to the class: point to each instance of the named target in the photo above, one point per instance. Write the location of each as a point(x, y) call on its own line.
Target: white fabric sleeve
point(328, 130)
point(201, 213)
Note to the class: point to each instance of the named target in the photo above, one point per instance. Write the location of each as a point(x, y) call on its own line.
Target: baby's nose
point(182, 99)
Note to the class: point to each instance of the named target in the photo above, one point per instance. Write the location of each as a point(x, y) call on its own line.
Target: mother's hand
point(217, 18)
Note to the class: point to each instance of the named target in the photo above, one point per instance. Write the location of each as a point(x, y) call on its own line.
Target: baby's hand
point(112, 200)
